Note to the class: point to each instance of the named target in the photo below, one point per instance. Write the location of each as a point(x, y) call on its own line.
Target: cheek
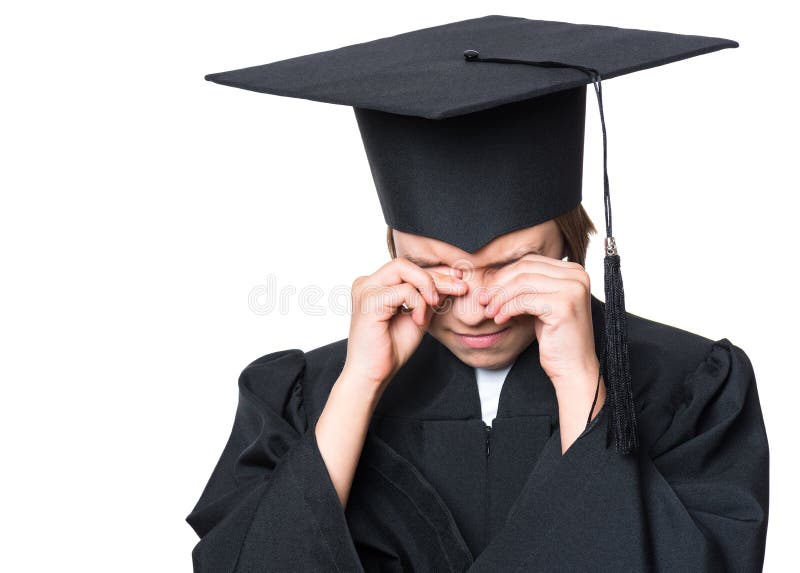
point(522, 322)
point(441, 315)
point(445, 315)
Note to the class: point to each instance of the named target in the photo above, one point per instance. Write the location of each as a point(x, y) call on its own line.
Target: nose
point(467, 307)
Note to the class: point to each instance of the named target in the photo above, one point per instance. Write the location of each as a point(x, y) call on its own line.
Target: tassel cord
point(597, 387)
point(615, 349)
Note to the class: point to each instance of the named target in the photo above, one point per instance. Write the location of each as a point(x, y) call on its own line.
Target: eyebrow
point(425, 263)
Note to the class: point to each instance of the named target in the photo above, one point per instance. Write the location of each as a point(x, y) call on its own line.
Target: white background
point(141, 205)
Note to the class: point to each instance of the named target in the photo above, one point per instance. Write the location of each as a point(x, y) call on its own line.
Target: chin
point(497, 356)
point(486, 358)
point(490, 362)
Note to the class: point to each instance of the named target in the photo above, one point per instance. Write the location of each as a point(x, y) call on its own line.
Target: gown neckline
point(527, 391)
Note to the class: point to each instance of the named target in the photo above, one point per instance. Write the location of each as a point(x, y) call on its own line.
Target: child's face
point(459, 316)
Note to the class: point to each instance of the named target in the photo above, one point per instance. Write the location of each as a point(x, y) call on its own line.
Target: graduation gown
point(436, 489)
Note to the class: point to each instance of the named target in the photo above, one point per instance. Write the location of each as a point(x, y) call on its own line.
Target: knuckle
point(404, 289)
point(403, 262)
point(370, 291)
point(357, 286)
point(525, 282)
point(577, 288)
point(397, 296)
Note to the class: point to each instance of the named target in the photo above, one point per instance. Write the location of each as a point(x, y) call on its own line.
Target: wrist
point(358, 387)
point(575, 398)
point(579, 381)
point(576, 392)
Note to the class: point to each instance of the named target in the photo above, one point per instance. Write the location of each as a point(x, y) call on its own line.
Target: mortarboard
point(463, 152)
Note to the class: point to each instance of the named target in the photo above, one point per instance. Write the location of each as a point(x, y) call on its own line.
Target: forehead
point(515, 243)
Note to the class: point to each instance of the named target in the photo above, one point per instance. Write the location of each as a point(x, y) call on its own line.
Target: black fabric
point(467, 179)
point(464, 153)
point(461, 151)
point(616, 366)
point(423, 72)
point(427, 496)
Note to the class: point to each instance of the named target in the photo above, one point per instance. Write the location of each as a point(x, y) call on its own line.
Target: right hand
point(383, 335)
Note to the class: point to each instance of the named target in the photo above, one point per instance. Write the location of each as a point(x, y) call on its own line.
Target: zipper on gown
point(486, 501)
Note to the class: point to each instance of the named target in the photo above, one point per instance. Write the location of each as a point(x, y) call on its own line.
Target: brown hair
point(575, 226)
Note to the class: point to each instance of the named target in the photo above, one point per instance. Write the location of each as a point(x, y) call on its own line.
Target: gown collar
point(436, 385)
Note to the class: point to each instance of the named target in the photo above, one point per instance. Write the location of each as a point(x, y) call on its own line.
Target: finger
point(550, 260)
point(412, 304)
point(386, 301)
point(401, 270)
point(448, 284)
point(540, 264)
point(421, 313)
point(403, 295)
point(541, 305)
point(507, 274)
point(531, 285)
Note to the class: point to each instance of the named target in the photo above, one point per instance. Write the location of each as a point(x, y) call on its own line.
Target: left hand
point(558, 294)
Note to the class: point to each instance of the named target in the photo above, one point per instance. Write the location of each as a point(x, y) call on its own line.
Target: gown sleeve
point(694, 497)
point(707, 474)
point(270, 503)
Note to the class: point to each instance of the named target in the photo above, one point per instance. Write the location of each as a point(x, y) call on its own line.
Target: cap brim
point(423, 73)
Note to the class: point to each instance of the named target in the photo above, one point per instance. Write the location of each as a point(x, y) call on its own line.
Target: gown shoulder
point(695, 497)
point(672, 368)
point(294, 380)
point(270, 498)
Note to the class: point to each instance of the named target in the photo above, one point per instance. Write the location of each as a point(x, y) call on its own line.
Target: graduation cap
point(475, 128)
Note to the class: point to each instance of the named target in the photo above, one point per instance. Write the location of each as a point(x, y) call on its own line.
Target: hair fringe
point(576, 229)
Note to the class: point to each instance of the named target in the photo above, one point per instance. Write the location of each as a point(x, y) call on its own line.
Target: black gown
point(436, 489)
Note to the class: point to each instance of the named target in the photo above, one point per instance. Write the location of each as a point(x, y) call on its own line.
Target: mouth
point(481, 340)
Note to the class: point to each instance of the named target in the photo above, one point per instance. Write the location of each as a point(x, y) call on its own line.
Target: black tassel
point(619, 391)
point(618, 372)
